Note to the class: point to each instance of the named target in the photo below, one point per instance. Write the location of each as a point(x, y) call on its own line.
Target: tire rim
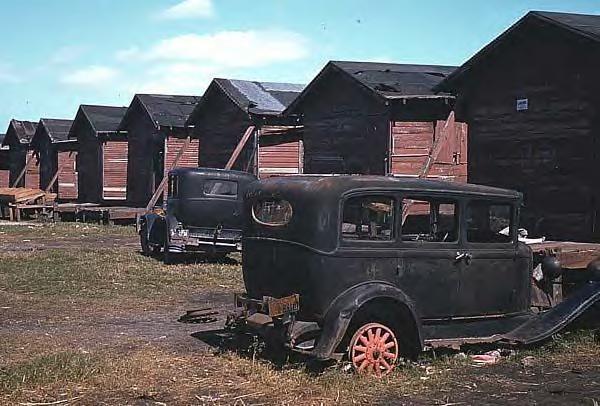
point(373, 350)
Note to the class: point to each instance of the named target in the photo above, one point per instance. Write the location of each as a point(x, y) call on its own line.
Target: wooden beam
point(240, 146)
point(58, 172)
point(163, 183)
point(27, 164)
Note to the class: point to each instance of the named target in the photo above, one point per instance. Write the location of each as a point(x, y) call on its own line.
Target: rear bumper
point(283, 329)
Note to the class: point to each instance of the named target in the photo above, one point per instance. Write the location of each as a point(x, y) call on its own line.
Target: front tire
point(373, 349)
point(144, 243)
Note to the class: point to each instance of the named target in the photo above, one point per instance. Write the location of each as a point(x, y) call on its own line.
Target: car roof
point(343, 184)
point(214, 173)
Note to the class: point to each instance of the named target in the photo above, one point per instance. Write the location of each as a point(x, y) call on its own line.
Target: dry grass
point(62, 230)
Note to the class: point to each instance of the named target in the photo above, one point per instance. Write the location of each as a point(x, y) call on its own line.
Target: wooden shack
point(243, 119)
point(102, 156)
point(4, 163)
point(57, 157)
point(381, 118)
point(157, 141)
point(531, 100)
point(23, 160)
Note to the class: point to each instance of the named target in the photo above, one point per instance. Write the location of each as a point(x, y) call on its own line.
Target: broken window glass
point(487, 222)
point(429, 220)
point(368, 218)
point(220, 188)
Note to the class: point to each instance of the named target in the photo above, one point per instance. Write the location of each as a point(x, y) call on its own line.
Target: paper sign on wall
point(522, 104)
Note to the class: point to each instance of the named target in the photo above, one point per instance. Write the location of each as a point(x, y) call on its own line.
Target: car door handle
point(467, 257)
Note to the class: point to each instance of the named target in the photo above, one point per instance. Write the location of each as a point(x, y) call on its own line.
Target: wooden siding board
point(67, 178)
point(280, 159)
point(114, 170)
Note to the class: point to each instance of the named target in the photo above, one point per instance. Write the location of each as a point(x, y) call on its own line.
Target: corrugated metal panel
point(32, 175)
point(67, 178)
point(412, 143)
point(280, 159)
point(114, 170)
point(189, 159)
point(4, 176)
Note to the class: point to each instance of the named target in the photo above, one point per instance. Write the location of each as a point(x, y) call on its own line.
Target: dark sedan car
point(380, 267)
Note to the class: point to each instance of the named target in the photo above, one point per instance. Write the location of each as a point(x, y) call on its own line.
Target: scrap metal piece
point(200, 316)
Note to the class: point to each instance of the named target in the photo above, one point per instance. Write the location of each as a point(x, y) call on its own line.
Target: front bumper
point(185, 243)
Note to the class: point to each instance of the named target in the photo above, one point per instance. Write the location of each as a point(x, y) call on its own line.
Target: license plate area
point(284, 305)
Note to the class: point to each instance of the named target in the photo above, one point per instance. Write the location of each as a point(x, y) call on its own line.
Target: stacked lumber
point(25, 196)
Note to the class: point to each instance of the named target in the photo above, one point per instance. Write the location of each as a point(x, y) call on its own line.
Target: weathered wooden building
point(21, 155)
point(102, 156)
point(531, 98)
point(245, 117)
point(4, 163)
point(57, 157)
point(157, 139)
point(381, 118)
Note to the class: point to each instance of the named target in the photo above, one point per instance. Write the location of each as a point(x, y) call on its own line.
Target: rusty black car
point(379, 268)
point(203, 213)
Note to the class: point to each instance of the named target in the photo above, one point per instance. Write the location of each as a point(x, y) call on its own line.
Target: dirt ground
point(86, 319)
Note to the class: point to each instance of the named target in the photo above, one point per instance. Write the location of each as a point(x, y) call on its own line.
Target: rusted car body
point(381, 267)
point(203, 213)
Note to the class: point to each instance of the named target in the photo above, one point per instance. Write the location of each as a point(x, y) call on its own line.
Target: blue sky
point(55, 55)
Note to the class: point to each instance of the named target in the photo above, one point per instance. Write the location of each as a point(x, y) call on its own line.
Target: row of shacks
point(527, 103)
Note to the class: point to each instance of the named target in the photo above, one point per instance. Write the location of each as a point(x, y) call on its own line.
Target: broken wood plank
point(240, 146)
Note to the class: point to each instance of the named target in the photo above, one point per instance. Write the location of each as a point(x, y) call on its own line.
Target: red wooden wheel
point(373, 349)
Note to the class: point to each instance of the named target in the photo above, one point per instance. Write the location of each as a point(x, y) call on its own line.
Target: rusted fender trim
point(544, 325)
point(340, 313)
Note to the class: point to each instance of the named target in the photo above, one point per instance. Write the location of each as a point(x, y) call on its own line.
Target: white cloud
point(189, 9)
point(67, 54)
point(94, 76)
point(178, 78)
point(228, 48)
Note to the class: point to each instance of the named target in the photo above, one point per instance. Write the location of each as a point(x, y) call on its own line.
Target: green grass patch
point(48, 369)
point(109, 273)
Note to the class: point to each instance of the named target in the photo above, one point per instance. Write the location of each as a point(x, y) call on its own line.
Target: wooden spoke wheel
point(373, 349)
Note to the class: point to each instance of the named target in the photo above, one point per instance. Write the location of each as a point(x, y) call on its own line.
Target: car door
point(427, 269)
point(493, 278)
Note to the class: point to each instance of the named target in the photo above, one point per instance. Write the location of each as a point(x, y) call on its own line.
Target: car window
point(489, 222)
point(220, 188)
point(429, 220)
point(272, 212)
point(368, 218)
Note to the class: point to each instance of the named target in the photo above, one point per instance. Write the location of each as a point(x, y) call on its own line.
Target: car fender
point(340, 313)
point(153, 225)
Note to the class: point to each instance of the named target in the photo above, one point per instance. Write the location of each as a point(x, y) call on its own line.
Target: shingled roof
point(384, 80)
point(103, 119)
point(587, 26)
point(260, 98)
point(57, 129)
point(164, 110)
point(24, 130)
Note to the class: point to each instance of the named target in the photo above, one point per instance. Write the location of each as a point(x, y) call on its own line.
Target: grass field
point(91, 323)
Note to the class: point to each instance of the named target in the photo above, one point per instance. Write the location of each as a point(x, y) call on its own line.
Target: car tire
point(373, 349)
point(144, 243)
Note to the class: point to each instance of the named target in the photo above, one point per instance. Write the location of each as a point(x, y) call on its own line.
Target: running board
point(552, 321)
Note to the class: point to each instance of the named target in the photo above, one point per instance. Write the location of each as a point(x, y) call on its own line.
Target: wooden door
point(67, 177)
point(32, 175)
point(114, 170)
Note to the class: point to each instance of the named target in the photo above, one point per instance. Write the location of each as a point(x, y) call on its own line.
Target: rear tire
point(373, 349)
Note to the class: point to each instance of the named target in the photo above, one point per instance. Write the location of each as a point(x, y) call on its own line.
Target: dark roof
point(24, 130)
point(57, 129)
point(340, 184)
point(103, 118)
point(393, 78)
point(385, 80)
point(587, 26)
point(167, 110)
point(2, 138)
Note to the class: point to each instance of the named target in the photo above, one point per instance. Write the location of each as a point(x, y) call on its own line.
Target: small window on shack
point(173, 186)
point(368, 218)
point(429, 220)
point(272, 212)
point(489, 222)
point(221, 188)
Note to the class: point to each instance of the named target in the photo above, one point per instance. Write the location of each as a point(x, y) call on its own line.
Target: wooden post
point(240, 146)
point(56, 174)
point(27, 164)
point(163, 183)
